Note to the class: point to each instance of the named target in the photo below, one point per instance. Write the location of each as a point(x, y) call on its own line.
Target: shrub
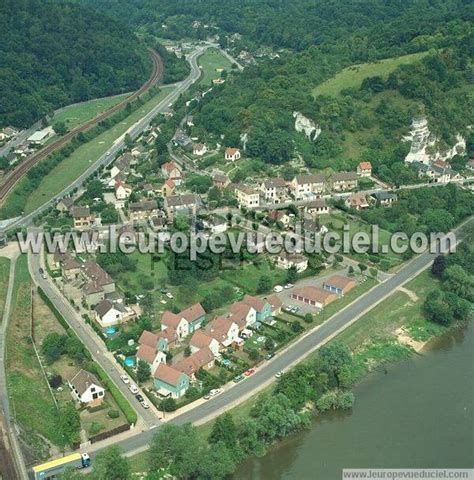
point(113, 414)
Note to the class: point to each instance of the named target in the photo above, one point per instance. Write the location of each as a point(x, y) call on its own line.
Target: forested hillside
point(364, 121)
point(53, 53)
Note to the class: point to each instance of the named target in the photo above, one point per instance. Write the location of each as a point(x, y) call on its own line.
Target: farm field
point(73, 166)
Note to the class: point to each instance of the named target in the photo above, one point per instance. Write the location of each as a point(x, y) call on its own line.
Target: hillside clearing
point(352, 77)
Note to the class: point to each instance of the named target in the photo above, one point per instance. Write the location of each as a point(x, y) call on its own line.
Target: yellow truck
point(55, 467)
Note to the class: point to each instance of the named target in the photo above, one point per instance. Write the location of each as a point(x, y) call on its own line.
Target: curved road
point(119, 144)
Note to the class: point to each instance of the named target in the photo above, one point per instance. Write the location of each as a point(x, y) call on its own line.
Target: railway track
point(18, 173)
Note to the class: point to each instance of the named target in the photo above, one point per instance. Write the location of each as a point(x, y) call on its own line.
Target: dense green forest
point(54, 53)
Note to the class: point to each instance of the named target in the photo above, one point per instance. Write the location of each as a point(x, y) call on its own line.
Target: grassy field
point(79, 113)
point(352, 77)
point(210, 61)
point(72, 167)
point(4, 277)
point(30, 400)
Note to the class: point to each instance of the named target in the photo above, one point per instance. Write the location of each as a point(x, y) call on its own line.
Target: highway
point(290, 356)
point(119, 144)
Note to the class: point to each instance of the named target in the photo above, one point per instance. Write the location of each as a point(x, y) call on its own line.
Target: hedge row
point(121, 401)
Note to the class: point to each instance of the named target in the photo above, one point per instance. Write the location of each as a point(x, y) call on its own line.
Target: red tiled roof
point(257, 303)
point(193, 363)
point(146, 353)
point(170, 319)
point(314, 293)
point(275, 302)
point(365, 166)
point(148, 338)
point(193, 312)
point(339, 281)
point(231, 151)
point(167, 374)
point(200, 339)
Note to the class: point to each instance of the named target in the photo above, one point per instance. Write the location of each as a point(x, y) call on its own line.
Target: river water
point(418, 413)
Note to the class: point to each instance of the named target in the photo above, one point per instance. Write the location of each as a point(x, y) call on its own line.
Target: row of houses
point(205, 344)
point(302, 187)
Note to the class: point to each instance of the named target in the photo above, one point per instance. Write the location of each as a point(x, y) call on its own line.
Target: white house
point(305, 186)
point(247, 197)
point(199, 149)
point(232, 154)
point(287, 260)
point(85, 388)
point(151, 356)
point(122, 190)
point(201, 340)
point(177, 322)
point(224, 330)
point(108, 314)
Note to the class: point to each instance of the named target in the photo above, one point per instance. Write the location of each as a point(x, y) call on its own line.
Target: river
point(419, 413)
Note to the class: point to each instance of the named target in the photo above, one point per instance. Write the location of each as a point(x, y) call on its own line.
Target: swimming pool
point(110, 331)
point(129, 361)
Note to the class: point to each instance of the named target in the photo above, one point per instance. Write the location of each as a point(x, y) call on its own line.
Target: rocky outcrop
point(307, 126)
point(424, 145)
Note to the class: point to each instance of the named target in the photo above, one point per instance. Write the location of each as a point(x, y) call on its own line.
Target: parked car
point(288, 308)
point(169, 294)
point(206, 397)
point(249, 372)
point(214, 392)
point(125, 379)
point(238, 378)
point(277, 288)
point(268, 356)
point(139, 397)
point(145, 404)
point(133, 388)
point(278, 374)
point(163, 291)
point(289, 285)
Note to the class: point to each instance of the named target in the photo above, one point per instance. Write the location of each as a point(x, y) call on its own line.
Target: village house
point(142, 211)
point(151, 356)
point(317, 207)
point(109, 313)
point(287, 260)
point(306, 186)
point(122, 190)
point(275, 304)
point(82, 217)
point(435, 173)
point(201, 340)
point(242, 314)
point(120, 168)
point(232, 154)
point(173, 171)
point(186, 204)
point(342, 181)
point(364, 169)
point(97, 283)
point(168, 188)
point(261, 306)
point(224, 330)
point(220, 181)
point(247, 197)
point(384, 198)
point(216, 225)
point(203, 358)
point(158, 223)
point(274, 190)
point(194, 315)
point(70, 268)
point(170, 382)
point(339, 285)
point(176, 322)
point(280, 216)
point(357, 201)
point(64, 205)
point(86, 388)
point(199, 149)
point(314, 296)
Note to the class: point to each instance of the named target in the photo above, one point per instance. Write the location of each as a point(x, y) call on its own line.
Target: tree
point(53, 346)
point(308, 318)
point(264, 284)
point(456, 280)
point(362, 267)
point(217, 463)
point(110, 465)
point(177, 448)
point(335, 355)
point(439, 264)
point(187, 351)
point(143, 371)
point(225, 431)
point(70, 422)
point(168, 405)
point(60, 128)
point(350, 271)
point(269, 345)
point(128, 141)
point(437, 309)
point(292, 274)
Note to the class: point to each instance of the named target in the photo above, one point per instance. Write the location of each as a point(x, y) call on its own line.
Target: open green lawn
point(352, 77)
point(30, 400)
point(210, 61)
point(4, 277)
point(72, 167)
point(79, 113)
